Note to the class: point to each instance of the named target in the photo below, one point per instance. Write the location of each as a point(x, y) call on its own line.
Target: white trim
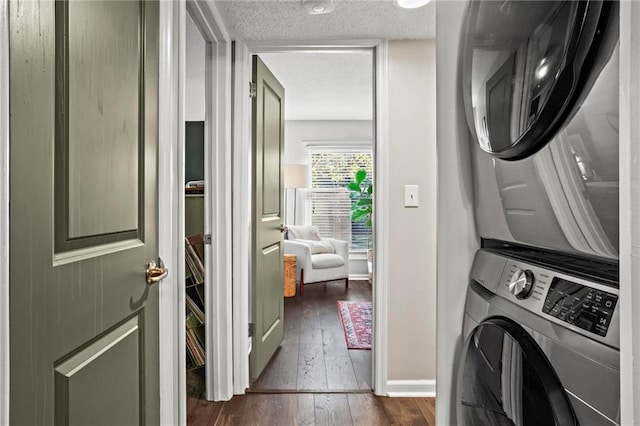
point(411, 388)
point(261, 46)
point(242, 199)
point(171, 213)
point(337, 145)
point(360, 254)
point(4, 212)
point(629, 212)
point(241, 222)
point(217, 151)
point(381, 225)
point(358, 277)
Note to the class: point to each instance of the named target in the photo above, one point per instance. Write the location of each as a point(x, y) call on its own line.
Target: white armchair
point(318, 259)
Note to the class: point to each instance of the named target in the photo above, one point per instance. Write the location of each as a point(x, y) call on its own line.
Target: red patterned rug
point(356, 323)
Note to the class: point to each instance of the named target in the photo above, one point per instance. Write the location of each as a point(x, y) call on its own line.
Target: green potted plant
point(362, 208)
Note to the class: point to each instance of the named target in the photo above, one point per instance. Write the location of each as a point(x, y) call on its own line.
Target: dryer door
point(527, 65)
point(505, 379)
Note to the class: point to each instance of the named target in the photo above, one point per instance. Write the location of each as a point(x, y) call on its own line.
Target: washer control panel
point(581, 306)
point(585, 307)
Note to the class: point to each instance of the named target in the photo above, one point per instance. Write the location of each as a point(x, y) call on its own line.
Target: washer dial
point(521, 283)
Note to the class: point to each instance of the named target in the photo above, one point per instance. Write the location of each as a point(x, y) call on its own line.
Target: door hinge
point(207, 238)
point(252, 329)
point(253, 90)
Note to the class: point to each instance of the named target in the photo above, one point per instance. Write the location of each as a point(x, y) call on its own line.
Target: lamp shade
point(411, 4)
point(295, 175)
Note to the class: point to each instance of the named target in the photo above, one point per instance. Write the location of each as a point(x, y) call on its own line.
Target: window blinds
point(331, 172)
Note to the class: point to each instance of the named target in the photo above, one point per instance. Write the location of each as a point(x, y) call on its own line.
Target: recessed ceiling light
point(410, 4)
point(318, 7)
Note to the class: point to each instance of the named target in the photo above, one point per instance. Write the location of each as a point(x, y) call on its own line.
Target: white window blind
point(331, 172)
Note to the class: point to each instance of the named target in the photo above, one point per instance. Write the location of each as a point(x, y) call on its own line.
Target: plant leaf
point(369, 224)
point(364, 202)
point(354, 186)
point(360, 214)
point(360, 176)
point(370, 190)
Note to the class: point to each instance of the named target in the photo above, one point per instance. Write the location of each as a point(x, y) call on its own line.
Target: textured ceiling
point(324, 85)
point(351, 19)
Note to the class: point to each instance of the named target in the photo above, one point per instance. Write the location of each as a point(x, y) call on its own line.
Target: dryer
point(540, 84)
point(541, 348)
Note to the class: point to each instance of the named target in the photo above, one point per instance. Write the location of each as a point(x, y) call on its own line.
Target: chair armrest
point(341, 247)
point(302, 252)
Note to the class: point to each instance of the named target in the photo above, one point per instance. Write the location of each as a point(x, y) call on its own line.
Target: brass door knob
point(155, 273)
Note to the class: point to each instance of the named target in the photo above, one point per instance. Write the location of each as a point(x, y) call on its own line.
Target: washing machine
point(541, 346)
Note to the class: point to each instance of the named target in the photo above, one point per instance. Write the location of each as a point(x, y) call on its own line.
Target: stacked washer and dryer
point(540, 82)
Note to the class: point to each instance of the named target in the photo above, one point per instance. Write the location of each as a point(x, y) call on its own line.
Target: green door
point(267, 292)
point(83, 216)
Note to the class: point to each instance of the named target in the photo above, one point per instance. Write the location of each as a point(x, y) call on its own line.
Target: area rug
point(356, 323)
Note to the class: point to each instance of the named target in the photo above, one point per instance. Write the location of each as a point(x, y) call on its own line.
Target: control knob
point(521, 283)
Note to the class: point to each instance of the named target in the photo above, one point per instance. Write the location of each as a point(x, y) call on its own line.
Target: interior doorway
point(329, 137)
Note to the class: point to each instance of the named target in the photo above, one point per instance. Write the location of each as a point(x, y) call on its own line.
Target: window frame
point(340, 146)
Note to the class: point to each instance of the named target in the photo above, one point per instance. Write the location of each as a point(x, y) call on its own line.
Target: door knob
point(283, 229)
point(155, 273)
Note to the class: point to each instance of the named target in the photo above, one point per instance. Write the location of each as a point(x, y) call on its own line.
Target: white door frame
point(173, 17)
point(242, 200)
point(629, 212)
point(4, 212)
point(171, 211)
point(218, 199)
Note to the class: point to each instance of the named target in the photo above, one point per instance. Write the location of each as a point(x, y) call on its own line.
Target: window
point(332, 168)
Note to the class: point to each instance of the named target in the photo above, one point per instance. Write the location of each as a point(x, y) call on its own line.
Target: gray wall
point(412, 236)
point(457, 240)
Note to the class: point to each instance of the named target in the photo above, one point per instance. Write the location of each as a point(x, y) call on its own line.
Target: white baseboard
point(358, 276)
point(411, 388)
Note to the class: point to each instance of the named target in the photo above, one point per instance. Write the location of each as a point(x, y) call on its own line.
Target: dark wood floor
point(341, 409)
point(313, 357)
point(314, 354)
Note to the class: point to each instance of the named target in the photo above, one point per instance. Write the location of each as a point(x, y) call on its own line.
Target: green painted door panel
point(267, 290)
point(83, 224)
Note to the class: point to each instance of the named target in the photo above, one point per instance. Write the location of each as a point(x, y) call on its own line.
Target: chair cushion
point(318, 247)
point(303, 232)
point(325, 261)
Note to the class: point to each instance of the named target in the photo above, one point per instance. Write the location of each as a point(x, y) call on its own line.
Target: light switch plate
point(411, 195)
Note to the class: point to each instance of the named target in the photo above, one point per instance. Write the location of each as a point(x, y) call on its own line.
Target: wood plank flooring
point(314, 354)
point(341, 409)
point(314, 364)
